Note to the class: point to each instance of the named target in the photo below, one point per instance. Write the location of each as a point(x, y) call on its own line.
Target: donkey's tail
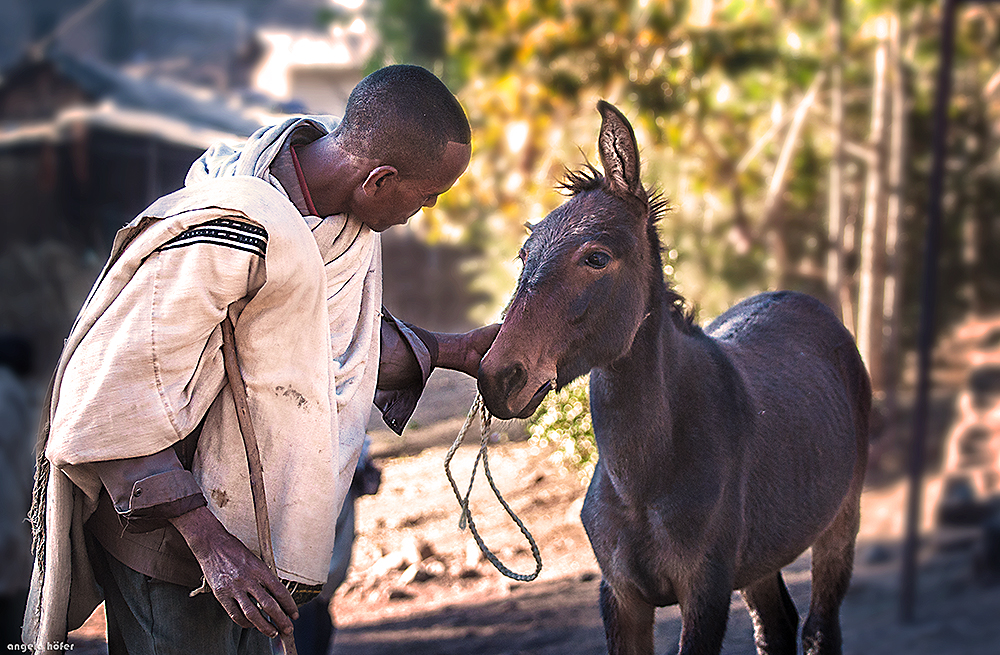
point(859, 386)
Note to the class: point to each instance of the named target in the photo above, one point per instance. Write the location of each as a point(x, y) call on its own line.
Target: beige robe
point(308, 347)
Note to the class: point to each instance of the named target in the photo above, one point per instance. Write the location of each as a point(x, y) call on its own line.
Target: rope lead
point(463, 502)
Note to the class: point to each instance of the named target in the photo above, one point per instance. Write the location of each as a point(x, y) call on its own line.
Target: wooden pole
point(927, 306)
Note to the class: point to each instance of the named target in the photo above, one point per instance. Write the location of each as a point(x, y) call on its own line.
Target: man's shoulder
point(243, 194)
point(233, 198)
point(239, 197)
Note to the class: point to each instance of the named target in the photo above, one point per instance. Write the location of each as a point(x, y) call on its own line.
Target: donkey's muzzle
point(502, 390)
point(497, 388)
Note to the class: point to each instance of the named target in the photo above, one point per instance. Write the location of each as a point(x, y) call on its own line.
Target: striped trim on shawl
point(222, 232)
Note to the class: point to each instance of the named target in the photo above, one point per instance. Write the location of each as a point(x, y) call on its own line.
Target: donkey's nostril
point(513, 379)
point(503, 387)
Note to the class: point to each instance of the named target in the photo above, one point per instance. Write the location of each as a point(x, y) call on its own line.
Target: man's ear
point(378, 178)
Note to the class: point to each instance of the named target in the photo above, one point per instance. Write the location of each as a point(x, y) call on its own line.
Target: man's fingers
point(253, 614)
point(487, 335)
point(235, 612)
point(479, 341)
point(279, 616)
point(283, 596)
point(251, 610)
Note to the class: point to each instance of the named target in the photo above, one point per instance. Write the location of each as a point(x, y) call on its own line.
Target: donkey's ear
point(619, 152)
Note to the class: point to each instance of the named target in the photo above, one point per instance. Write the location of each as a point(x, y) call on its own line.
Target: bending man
point(143, 491)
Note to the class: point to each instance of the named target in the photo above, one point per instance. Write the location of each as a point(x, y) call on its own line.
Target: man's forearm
point(398, 366)
point(200, 528)
point(454, 353)
point(463, 352)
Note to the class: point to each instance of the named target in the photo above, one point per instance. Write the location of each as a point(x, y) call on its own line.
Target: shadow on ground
point(955, 615)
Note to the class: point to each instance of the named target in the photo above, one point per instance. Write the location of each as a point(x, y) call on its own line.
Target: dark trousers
point(152, 617)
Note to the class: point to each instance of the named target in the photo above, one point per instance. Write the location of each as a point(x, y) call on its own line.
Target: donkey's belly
point(651, 551)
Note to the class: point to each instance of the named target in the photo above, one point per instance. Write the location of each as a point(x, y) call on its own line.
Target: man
point(146, 488)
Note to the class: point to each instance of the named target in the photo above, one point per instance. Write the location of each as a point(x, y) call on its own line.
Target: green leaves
point(705, 84)
point(563, 421)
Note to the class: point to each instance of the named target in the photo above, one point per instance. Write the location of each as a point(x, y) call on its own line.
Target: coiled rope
point(466, 517)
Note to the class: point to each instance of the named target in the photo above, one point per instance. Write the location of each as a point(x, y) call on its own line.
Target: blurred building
point(104, 104)
point(317, 70)
point(306, 54)
point(83, 148)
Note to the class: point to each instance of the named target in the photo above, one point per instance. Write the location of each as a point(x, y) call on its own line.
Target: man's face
point(398, 199)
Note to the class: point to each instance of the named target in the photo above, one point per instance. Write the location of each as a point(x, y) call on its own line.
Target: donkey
point(724, 453)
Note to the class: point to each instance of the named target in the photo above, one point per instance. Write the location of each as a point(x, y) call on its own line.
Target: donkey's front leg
point(628, 622)
point(705, 612)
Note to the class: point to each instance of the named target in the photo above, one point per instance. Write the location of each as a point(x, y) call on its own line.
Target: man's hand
point(244, 586)
point(463, 352)
point(398, 368)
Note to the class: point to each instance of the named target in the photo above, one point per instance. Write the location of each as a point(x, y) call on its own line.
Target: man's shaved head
point(403, 116)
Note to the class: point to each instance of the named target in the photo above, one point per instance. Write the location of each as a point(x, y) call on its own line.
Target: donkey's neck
point(634, 400)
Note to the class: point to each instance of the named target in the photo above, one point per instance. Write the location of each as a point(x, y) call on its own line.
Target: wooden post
point(927, 305)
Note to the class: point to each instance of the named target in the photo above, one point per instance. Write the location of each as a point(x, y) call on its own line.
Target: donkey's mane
point(589, 178)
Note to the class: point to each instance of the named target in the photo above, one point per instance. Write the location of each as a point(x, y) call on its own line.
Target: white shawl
point(308, 350)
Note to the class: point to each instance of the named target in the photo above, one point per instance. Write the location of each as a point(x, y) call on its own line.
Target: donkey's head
point(589, 269)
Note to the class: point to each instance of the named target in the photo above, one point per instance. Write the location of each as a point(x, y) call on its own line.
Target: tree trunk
point(870, 283)
point(836, 279)
point(894, 208)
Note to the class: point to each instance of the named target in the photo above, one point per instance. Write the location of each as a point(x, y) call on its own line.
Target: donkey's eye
point(598, 259)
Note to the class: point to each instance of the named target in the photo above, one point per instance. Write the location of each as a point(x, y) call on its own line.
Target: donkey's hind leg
point(628, 622)
point(775, 619)
point(832, 562)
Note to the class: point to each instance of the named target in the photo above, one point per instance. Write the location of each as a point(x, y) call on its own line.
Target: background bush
point(563, 419)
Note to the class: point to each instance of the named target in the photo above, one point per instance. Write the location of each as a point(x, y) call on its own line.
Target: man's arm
point(463, 352)
point(399, 366)
point(148, 492)
point(410, 353)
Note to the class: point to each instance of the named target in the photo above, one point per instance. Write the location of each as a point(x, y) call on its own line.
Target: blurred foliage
point(530, 75)
point(710, 87)
point(704, 92)
point(564, 421)
point(410, 31)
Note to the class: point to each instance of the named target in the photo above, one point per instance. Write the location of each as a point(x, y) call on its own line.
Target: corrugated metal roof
point(119, 119)
point(105, 83)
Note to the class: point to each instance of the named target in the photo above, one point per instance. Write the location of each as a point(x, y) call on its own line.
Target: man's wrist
point(198, 527)
point(430, 340)
point(451, 351)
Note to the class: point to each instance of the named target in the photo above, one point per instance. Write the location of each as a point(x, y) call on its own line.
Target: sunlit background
point(791, 138)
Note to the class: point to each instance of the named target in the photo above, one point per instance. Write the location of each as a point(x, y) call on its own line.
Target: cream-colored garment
point(308, 347)
point(351, 254)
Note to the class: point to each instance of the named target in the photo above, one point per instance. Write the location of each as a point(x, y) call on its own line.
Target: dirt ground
point(419, 587)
